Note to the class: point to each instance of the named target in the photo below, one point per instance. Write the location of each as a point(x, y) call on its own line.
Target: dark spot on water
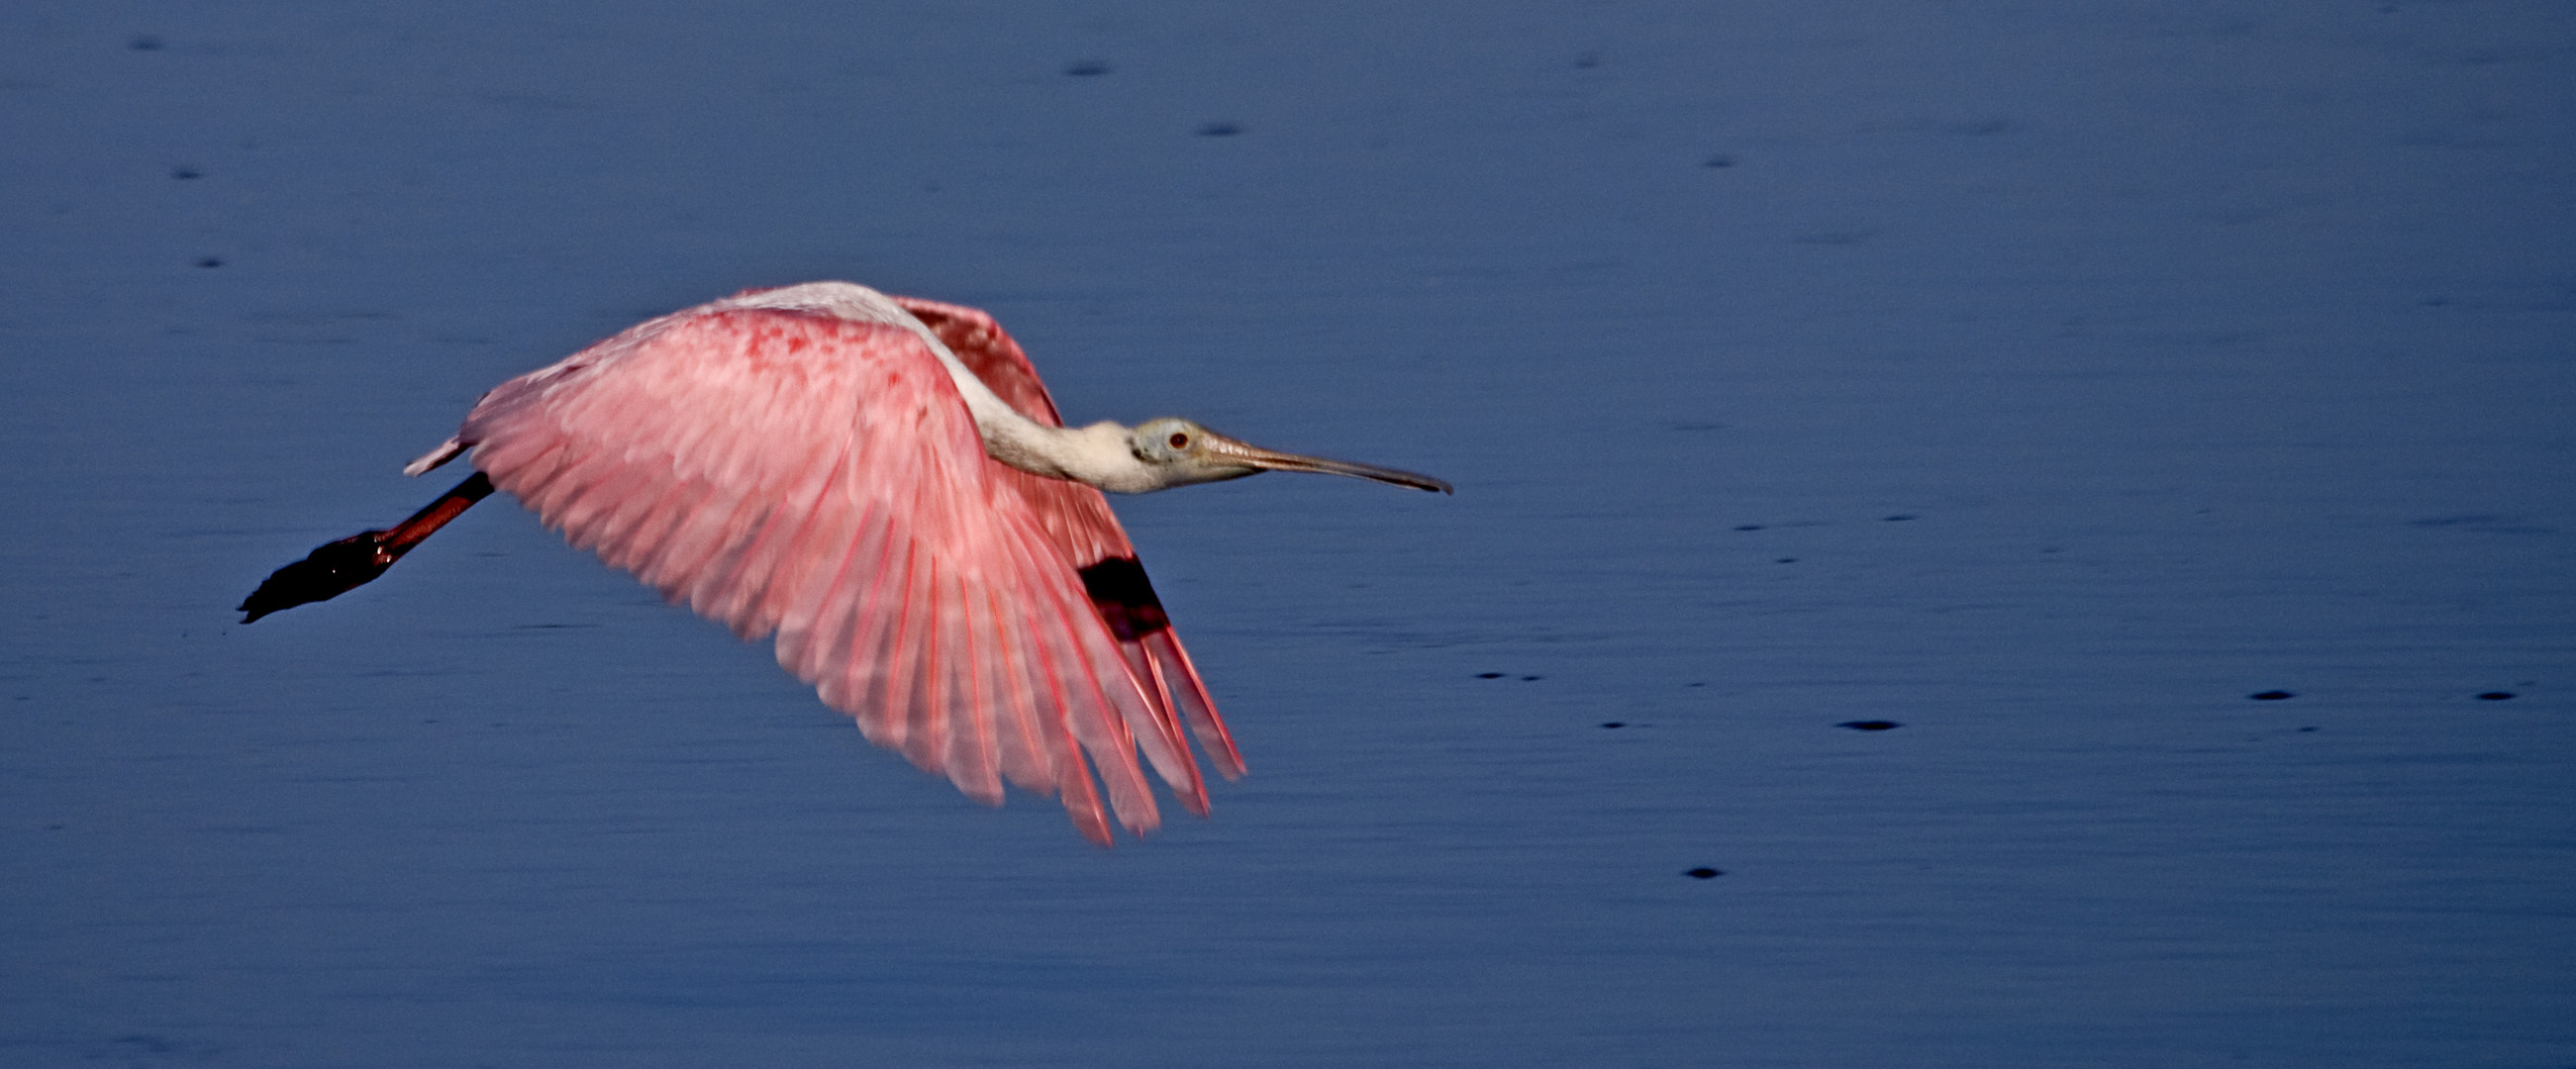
point(2495, 696)
point(1898, 518)
point(1614, 724)
point(2307, 729)
point(1748, 527)
point(1489, 675)
point(1869, 725)
point(1532, 679)
point(2271, 695)
point(1588, 60)
point(1694, 684)
point(144, 42)
point(184, 173)
point(53, 827)
point(211, 261)
point(1786, 560)
point(1719, 160)
point(1086, 68)
point(1704, 873)
point(1220, 129)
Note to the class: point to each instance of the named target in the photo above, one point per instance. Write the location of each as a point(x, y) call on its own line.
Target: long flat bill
point(1274, 460)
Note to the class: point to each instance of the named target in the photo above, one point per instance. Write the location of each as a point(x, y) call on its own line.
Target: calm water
point(2043, 378)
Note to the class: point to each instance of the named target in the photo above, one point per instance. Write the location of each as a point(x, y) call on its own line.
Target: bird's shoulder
point(989, 353)
point(730, 360)
point(748, 396)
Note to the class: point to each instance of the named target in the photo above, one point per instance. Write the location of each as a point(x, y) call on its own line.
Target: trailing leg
point(339, 567)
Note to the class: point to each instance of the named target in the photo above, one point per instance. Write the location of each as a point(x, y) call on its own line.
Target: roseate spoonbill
point(883, 484)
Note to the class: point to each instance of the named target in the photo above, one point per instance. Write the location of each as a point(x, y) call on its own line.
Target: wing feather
point(1079, 523)
point(816, 477)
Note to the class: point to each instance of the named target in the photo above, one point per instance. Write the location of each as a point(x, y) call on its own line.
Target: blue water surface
point(2045, 379)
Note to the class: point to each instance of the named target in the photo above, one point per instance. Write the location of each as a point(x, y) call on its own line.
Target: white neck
point(1098, 455)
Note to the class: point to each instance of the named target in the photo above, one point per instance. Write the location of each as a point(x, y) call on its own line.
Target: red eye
point(1180, 441)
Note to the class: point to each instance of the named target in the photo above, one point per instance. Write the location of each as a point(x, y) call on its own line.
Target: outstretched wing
point(1078, 518)
point(794, 472)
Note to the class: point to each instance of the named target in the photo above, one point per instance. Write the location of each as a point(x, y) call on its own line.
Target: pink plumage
point(883, 484)
point(796, 471)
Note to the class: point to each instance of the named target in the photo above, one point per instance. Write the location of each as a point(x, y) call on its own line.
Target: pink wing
point(1078, 518)
point(793, 472)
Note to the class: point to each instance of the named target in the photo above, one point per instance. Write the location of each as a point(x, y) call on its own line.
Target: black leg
point(339, 567)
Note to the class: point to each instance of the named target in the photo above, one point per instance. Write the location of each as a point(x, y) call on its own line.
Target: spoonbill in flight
point(883, 484)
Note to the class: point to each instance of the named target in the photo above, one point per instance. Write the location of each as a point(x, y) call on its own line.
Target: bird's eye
point(1180, 440)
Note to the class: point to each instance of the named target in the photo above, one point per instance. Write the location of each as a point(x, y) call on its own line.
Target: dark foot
point(326, 573)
